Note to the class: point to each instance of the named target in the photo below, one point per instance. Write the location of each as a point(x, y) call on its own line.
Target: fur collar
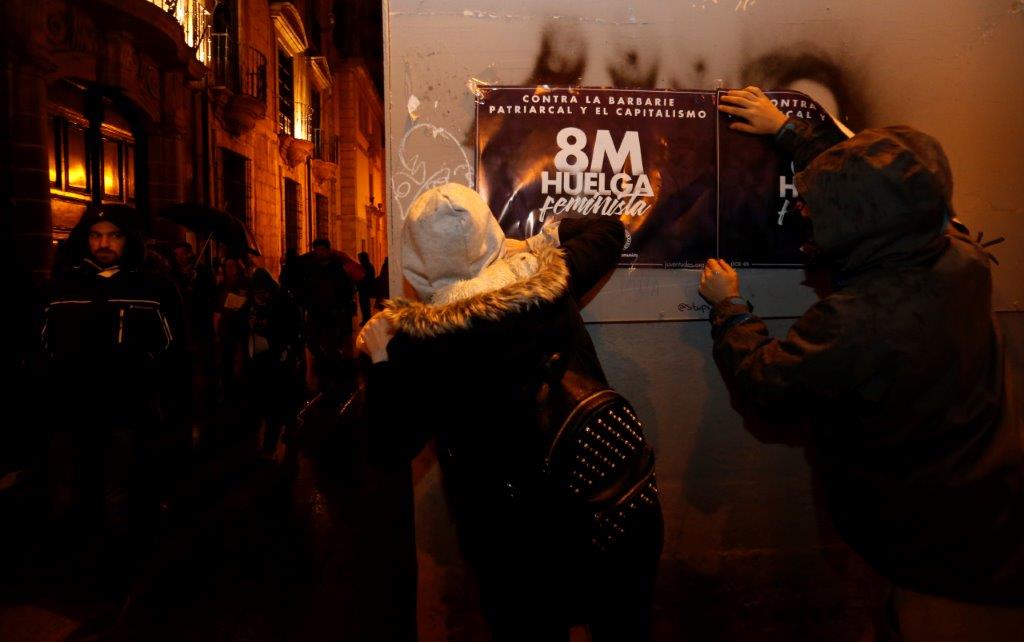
point(424, 320)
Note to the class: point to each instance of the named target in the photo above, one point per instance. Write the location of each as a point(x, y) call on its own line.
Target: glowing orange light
point(76, 175)
point(111, 185)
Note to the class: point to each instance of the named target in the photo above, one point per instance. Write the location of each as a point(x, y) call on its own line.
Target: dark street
point(307, 549)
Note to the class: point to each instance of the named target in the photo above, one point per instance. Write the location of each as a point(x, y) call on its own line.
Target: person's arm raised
point(802, 140)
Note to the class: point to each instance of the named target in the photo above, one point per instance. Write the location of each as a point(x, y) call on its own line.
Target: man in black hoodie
point(114, 352)
point(901, 371)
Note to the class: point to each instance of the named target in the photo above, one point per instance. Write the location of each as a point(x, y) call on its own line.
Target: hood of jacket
point(535, 279)
point(879, 199)
point(125, 218)
point(449, 235)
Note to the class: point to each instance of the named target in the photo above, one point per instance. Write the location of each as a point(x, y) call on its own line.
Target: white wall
point(742, 533)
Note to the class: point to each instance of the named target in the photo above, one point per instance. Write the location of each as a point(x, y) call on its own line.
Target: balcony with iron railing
point(295, 127)
point(239, 68)
point(325, 146)
point(325, 155)
point(238, 75)
point(297, 122)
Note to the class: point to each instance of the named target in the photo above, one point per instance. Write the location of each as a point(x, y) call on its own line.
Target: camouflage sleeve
point(811, 364)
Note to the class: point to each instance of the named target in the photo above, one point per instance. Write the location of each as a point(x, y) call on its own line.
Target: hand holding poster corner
point(686, 186)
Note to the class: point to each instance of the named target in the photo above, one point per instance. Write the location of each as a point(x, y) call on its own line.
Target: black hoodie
point(111, 340)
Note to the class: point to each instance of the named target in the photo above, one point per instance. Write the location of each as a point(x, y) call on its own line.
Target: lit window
point(53, 130)
point(71, 158)
point(129, 171)
point(76, 159)
point(112, 169)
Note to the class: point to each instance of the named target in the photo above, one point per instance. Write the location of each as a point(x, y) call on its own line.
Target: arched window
point(92, 153)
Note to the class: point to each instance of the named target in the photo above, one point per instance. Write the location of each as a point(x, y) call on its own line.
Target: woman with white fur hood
point(463, 363)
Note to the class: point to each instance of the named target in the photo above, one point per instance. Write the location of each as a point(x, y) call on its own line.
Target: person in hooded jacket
point(463, 363)
point(323, 284)
point(901, 371)
point(273, 347)
point(366, 286)
point(114, 352)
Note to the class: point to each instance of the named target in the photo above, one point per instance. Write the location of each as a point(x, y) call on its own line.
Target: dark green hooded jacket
point(901, 371)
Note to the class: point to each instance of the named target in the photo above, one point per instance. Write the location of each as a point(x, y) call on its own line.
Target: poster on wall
point(686, 186)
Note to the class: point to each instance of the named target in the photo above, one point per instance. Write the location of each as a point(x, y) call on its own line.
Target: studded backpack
point(597, 459)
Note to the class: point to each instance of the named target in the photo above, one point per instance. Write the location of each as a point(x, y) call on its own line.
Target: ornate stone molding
point(154, 30)
point(294, 151)
point(323, 170)
point(320, 72)
point(290, 32)
point(70, 29)
point(242, 113)
point(239, 113)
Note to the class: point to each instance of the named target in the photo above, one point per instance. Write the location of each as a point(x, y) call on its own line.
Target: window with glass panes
point(285, 93)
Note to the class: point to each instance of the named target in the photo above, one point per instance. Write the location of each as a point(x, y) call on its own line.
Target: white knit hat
point(449, 236)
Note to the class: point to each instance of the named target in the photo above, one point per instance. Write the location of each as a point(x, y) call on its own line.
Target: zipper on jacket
point(145, 303)
point(120, 327)
point(168, 335)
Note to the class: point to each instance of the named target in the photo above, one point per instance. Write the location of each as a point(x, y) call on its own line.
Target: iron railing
point(298, 124)
point(325, 146)
point(238, 67)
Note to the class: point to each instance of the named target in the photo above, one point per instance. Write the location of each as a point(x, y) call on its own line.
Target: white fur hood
point(507, 286)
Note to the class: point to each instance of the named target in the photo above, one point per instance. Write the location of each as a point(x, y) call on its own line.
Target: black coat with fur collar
point(467, 372)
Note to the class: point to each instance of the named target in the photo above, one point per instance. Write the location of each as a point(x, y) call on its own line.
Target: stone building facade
point(360, 123)
point(246, 106)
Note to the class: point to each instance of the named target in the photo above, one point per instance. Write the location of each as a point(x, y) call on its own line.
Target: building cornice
point(320, 72)
point(288, 28)
point(361, 77)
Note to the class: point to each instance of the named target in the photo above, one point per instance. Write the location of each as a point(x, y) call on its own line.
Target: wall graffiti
point(412, 176)
point(561, 60)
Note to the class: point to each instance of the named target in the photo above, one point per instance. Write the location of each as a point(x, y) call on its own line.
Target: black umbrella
point(213, 223)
